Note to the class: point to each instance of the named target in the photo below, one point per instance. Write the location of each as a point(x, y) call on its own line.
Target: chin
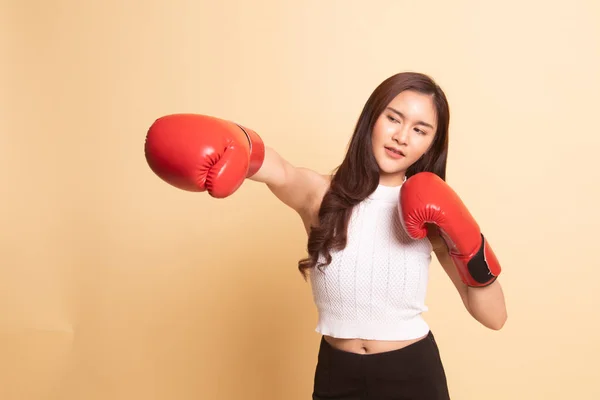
point(396, 168)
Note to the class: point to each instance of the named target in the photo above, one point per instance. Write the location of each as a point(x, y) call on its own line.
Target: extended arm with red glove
point(200, 153)
point(426, 198)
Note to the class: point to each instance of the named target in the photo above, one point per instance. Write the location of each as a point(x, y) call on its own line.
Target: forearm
point(487, 305)
point(297, 187)
point(273, 169)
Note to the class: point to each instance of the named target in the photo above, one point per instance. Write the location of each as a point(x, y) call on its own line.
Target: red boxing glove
point(201, 153)
point(426, 198)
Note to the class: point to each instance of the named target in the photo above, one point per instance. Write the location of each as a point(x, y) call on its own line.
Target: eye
point(420, 132)
point(392, 119)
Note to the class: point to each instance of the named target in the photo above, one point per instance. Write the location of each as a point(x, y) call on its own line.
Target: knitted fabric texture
point(375, 288)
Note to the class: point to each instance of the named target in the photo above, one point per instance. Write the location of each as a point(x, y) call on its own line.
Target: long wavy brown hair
point(358, 174)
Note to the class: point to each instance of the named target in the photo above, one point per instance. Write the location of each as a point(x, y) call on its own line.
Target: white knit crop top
point(375, 288)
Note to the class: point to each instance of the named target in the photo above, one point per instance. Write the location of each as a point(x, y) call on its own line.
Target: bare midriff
point(361, 346)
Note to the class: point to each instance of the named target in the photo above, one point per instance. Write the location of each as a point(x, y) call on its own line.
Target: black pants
point(414, 372)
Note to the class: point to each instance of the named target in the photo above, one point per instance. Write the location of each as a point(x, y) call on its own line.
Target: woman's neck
point(392, 180)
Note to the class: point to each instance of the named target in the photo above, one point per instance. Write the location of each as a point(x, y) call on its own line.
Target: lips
point(396, 151)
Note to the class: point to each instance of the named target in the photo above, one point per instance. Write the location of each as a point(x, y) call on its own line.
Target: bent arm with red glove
point(426, 199)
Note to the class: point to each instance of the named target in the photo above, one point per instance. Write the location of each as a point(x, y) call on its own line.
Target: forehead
point(415, 105)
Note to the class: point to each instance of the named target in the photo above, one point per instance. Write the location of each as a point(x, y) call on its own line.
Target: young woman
point(367, 267)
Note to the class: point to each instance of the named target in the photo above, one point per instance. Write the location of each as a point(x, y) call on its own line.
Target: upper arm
point(301, 189)
point(297, 187)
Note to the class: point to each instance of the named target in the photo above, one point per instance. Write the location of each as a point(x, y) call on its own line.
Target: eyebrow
point(402, 116)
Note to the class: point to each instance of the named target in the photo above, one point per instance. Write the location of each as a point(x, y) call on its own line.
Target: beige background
point(114, 285)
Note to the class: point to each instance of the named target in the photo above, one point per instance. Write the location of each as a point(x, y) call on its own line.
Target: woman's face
point(402, 134)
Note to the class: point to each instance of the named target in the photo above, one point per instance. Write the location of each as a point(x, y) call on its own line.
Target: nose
point(401, 135)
